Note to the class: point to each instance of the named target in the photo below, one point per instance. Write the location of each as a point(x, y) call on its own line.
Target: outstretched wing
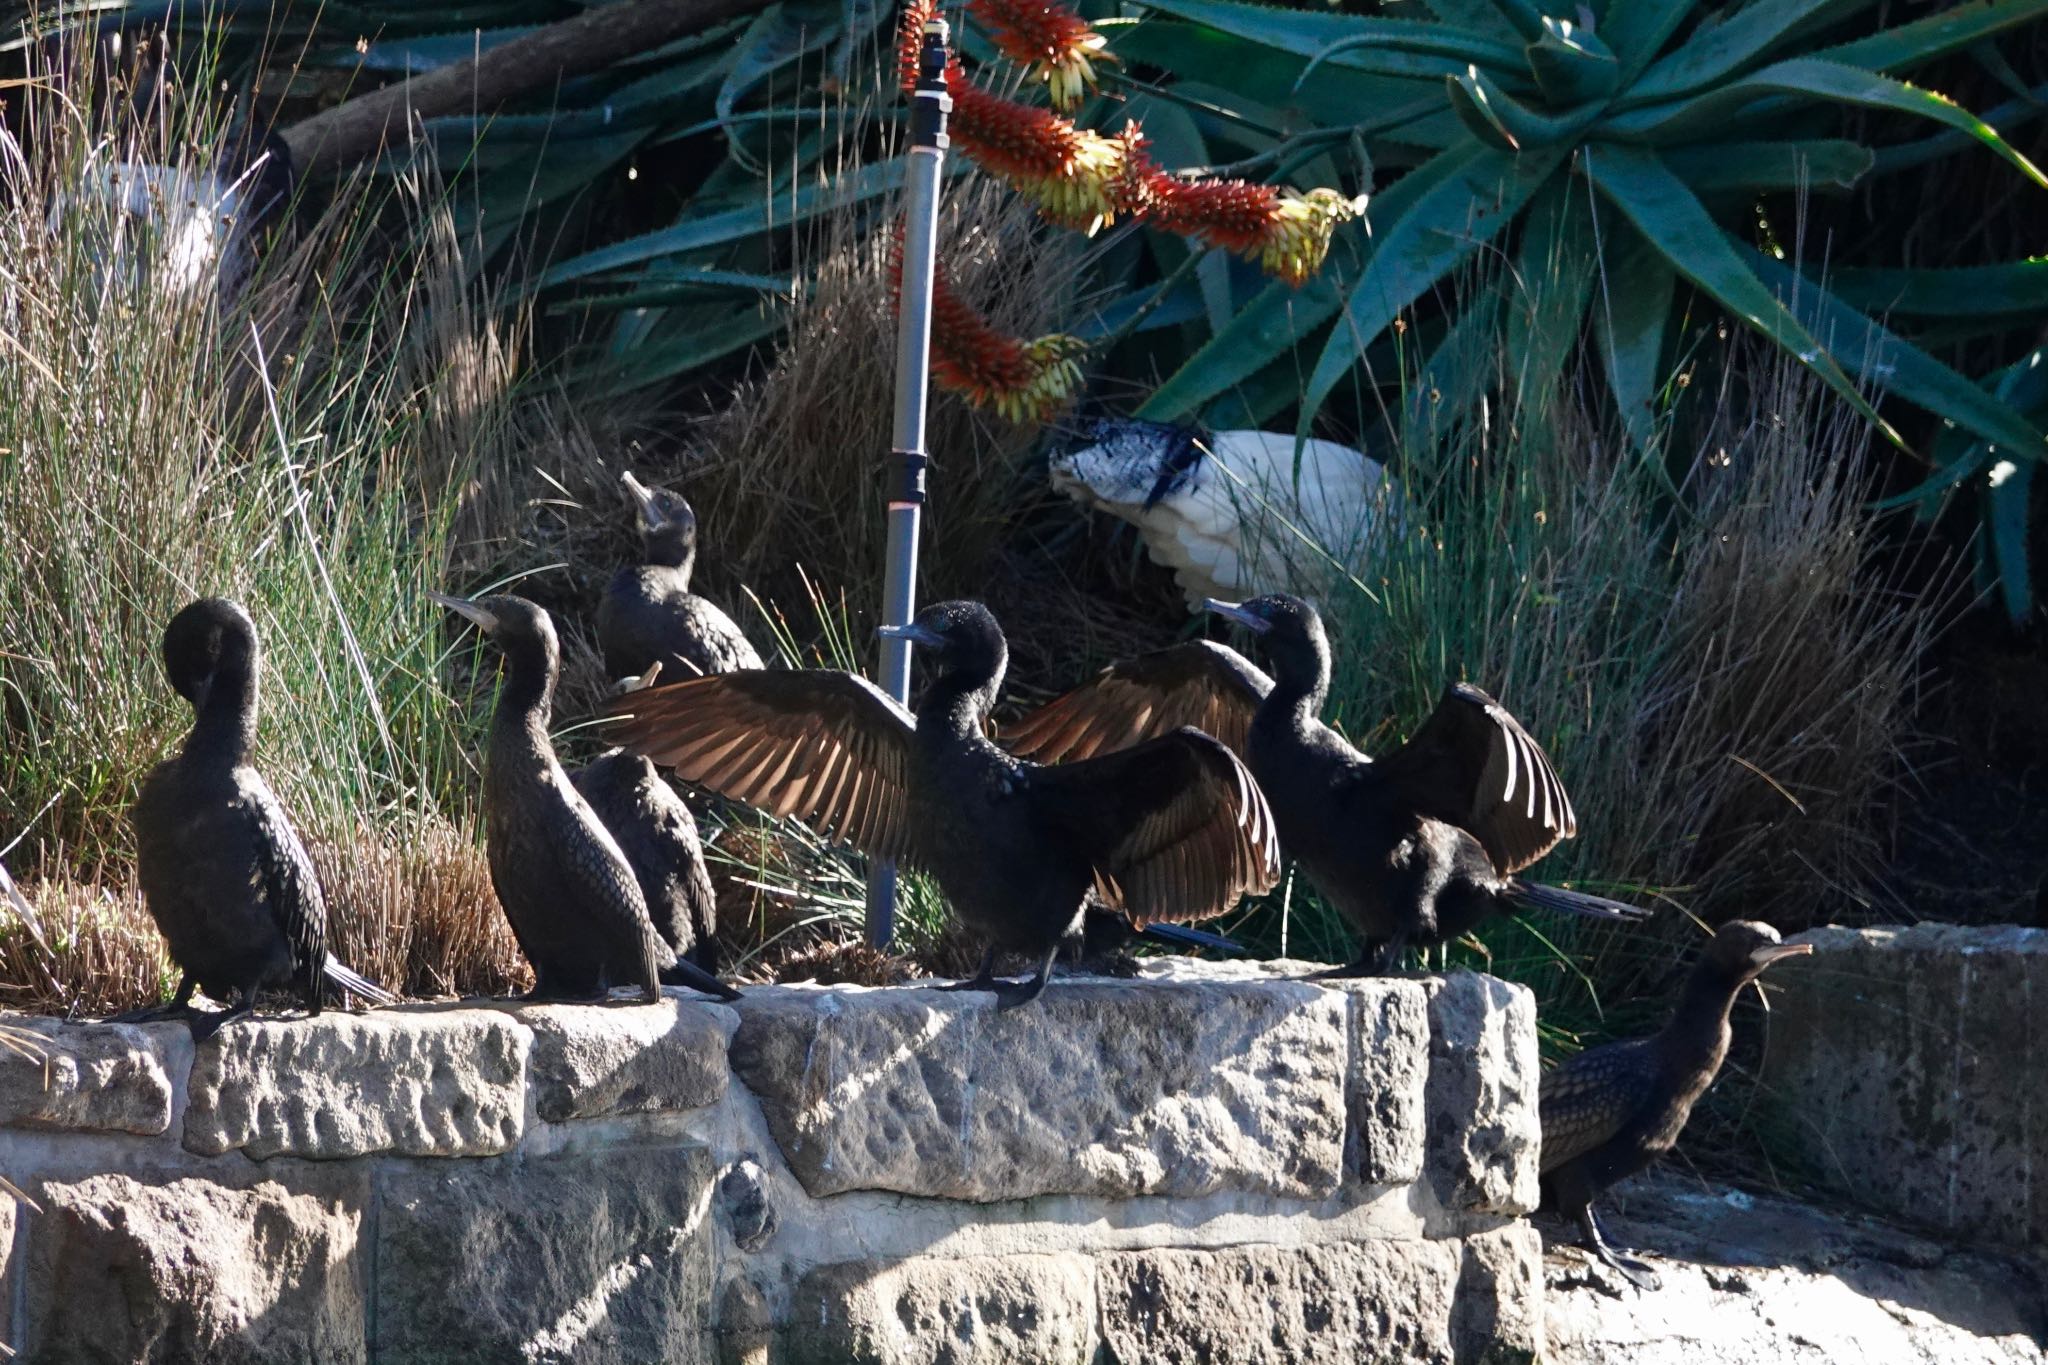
point(1471, 764)
point(289, 884)
point(830, 749)
point(1207, 686)
point(1589, 1098)
point(1175, 827)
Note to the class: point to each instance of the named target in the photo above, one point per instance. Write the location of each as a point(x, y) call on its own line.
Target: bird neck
point(668, 551)
point(958, 702)
point(224, 726)
point(1301, 681)
point(528, 699)
point(1696, 1038)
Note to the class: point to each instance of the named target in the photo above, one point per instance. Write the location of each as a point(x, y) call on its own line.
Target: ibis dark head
point(211, 639)
point(1289, 629)
point(1741, 949)
point(668, 524)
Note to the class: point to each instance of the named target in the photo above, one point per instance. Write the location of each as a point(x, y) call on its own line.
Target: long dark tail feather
point(1565, 902)
point(688, 973)
point(1180, 936)
point(355, 984)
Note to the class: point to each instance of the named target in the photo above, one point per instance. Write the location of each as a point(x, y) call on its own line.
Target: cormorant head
point(205, 639)
point(524, 631)
point(1741, 949)
point(1286, 625)
point(963, 638)
point(668, 524)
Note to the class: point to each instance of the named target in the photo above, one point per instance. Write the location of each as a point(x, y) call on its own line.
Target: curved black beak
point(1234, 611)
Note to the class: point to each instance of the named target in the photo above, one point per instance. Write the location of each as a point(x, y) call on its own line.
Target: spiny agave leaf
point(1936, 35)
point(1888, 361)
point(1951, 291)
point(1447, 221)
point(1631, 313)
point(1392, 47)
point(1663, 210)
point(1811, 78)
point(1263, 330)
point(678, 287)
point(1747, 36)
point(1553, 275)
point(1454, 377)
point(1477, 16)
point(412, 56)
point(1638, 31)
point(1818, 163)
point(1524, 15)
point(2009, 500)
point(1571, 65)
point(1473, 103)
point(779, 35)
point(1499, 119)
point(684, 344)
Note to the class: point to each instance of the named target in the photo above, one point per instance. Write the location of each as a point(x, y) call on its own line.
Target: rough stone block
point(1390, 1058)
point(1480, 1104)
point(599, 1257)
point(973, 1310)
point(1276, 1305)
point(191, 1269)
point(93, 1077)
point(1116, 1088)
point(593, 1060)
point(1897, 1058)
point(1497, 1316)
point(422, 1083)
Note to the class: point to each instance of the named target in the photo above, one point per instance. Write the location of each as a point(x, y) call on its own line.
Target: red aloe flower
point(1024, 381)
point(1288, 234)
point(910, 39)
point(1078, 179)
point(1051, 39)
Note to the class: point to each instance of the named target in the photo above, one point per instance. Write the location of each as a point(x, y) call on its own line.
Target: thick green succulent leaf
point(1744, 38)
point(1391, 47)
point(2009, 498)
point(779, 35)
point(1554, 269)
point(1631, 314)
point(1412, 249)
point(1747, 167)
point(1663, 210)
point(678, 346)
point(1475, 16)
point(1887, 361)
point(1500, 120)
point(1524, 15)
point(1263, 330)
point(1571, 65)
point(417, 55)
point(1811, 78)
point(1959, 291)
point(1638, 31)
point(1905, 46)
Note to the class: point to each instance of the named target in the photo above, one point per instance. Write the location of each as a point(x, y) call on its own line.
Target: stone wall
point(1907, 1066)
point(1210, 1163)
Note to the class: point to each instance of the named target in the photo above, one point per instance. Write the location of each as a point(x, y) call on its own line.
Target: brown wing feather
point(828, 748)
point(1176, 827)
point(1586, 1100)
point(1205, 686)
point(1471, 764)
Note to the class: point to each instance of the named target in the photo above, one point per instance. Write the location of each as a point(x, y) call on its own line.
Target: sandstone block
point(1480, 1103)
point(593, 1060)
point(1497, 1316)
point(1113, 1088)
point(421, 1083)
point(190, 1269)
point(599, 1257)
point(1900, 1059)
point(974, 1310)
point(92, 1077)
point(1274, 1305)
point(1390, 1059)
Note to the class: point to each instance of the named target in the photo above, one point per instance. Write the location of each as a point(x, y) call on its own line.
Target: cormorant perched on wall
point(571, 895)
point(1415, 847)
point(1612, 1110)
point(222, 872)
point(656, 832)
point(649, 612)
point(1171, 828)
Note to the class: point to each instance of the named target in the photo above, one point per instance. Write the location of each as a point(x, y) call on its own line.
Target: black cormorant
point(1415, 847)
point(1612, 1110)
point(649, 613)
point(573, 900)
point(656, 832)
point(222, 871)
point(1171, 828)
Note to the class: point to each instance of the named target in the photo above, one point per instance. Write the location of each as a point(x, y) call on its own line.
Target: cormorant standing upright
point(656, 832)
point(649, 613)
point(1171, 828)
point(571, 896)
point(1612, 1110)
point(1415, 847)
point(223, 873)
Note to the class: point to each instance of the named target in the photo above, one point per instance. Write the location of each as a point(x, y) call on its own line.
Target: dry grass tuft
point(847, 964)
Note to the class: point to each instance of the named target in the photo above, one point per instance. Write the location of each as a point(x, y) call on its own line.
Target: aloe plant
point(1630, 142)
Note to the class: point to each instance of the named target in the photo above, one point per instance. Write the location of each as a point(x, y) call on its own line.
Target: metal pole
point(907, 458)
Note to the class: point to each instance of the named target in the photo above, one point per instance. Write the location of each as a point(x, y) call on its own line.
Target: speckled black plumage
point(571, 896)
point(649, 614)
point(656, 832)
point(1174, 828)
point(223, 873)
point(1415, 847)
point(1612, 1110)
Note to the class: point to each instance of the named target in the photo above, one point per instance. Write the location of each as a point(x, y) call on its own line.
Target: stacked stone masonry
point(1210, 1163)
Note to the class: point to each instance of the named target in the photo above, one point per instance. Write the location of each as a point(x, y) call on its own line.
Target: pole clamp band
point(910, 466)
